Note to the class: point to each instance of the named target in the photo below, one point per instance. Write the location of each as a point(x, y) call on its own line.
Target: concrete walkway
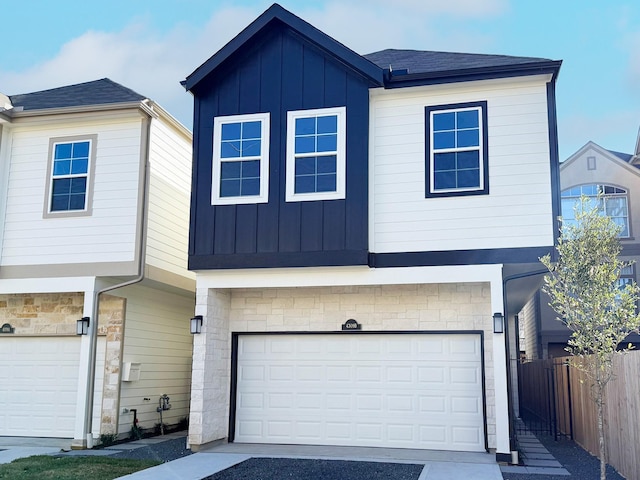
point(438, 465)
point(534, 456)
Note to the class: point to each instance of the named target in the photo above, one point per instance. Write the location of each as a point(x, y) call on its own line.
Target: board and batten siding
point(169, 197)
point(109, 233)
point(156, 336)
point(518, 210)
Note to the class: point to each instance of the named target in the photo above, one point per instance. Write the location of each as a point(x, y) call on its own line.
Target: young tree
point(584, 288)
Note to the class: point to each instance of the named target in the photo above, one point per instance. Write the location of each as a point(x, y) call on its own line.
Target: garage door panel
point(402, 390)
point(39, 385)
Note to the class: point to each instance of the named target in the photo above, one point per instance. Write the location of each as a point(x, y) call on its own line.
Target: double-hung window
point(316, 154)
point(456, 139)
point(240, 159)
point(70, 170)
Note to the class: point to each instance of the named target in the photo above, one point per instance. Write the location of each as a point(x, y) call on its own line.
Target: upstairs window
point(456, 150)
point(316, 160)
point(240, 159)
point(613, 203)
point(70, 170)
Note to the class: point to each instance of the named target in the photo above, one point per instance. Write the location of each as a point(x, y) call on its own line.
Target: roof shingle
point(97, 92)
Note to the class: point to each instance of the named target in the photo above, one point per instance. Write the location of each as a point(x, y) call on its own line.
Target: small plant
point(183, 424)
point(107, 439)
point(136, 432)
point(159, 428)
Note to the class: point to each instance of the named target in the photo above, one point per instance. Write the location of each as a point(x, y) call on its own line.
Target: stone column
point(209, 413)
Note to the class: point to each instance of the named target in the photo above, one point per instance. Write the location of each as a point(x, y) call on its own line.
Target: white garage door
point(384, 390)
point(38, 385)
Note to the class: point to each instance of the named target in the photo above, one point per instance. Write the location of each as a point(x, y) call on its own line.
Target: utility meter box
point(131, 371)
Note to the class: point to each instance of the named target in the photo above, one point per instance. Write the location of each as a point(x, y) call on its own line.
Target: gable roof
point(622, 159)
point(98, 92)
point(276, 14)
point(424, 65)
point(412, 67)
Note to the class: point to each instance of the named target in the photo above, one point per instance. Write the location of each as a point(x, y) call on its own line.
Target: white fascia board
point(345, 276)
point(47, 285)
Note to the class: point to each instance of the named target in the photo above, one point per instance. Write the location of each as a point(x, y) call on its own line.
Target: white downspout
point(93, 328)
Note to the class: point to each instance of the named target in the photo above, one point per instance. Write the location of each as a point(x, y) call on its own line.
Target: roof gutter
point(467, 74)
point(142, 105)
point(93, 330)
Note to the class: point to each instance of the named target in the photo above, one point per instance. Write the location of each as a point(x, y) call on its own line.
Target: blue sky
point(150, 45)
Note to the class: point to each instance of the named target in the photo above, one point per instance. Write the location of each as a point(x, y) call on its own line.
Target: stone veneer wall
point(111, 315)
point(42, 313)
point(55, 314)
point(430, 307)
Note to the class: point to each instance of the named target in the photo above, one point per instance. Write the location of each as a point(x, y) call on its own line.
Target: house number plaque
point(351, 324)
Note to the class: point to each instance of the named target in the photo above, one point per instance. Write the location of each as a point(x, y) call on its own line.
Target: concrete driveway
point(438, 465)
point(18, 447)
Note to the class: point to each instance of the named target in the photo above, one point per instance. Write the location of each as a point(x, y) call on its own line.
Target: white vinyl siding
point(169, 197)
point(516, 213)
point(39, 378)
point(108, 235)
point(156, 336)
point(374, 390)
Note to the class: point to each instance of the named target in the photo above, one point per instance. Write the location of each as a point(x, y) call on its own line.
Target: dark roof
point(278, 15)
point(418, 61)
point(410, 67)
point(98, 92)
point(623, 156)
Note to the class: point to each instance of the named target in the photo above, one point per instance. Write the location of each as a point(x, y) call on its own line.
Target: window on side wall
point(240, 159)
point(70, 176)
point(316, 158)
point(456, 150)
point(613, 203)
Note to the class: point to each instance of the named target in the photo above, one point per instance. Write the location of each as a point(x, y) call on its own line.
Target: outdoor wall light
point(82, 326)
point(196, 324)
point(498, 323)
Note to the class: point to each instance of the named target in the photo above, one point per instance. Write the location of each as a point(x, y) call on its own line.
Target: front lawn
point(45, 467)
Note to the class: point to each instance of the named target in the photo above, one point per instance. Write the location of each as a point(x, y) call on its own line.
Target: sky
point(151, 45)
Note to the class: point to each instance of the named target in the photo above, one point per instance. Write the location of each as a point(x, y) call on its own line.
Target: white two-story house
point(359, 224)
point(94, 202)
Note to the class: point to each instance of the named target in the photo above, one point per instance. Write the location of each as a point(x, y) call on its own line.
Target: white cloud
point(153, 63)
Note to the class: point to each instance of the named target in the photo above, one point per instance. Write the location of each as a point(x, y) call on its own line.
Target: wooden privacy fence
point(560, 395)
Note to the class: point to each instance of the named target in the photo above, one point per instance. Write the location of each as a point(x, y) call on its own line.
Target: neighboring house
point(94, 193)
point(590, 170)
point(354, 222)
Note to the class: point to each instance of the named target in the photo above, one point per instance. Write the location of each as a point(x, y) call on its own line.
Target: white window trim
point(263, 196)
point(88, 199)
point(341, 164)
point(433, 151)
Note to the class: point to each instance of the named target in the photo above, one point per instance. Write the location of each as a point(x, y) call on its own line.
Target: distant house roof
point(408, 67)
point(98, 92)
point(623, 156)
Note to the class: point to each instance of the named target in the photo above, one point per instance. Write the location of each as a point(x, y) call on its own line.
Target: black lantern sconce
point(196, 324)
point(82, 326)
point(498, 323)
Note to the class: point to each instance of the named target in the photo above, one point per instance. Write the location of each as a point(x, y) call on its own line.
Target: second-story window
point(316, 160)
point(456, 150)
point(68, 191)
point(240, 159)
point(613, 203)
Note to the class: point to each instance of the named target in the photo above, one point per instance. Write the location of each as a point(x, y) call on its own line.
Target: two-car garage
point(397, 390)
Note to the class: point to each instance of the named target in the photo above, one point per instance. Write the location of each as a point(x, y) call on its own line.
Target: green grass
point(45, 467)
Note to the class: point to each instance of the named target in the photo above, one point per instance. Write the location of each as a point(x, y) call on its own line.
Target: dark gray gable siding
point(98, 92)
point(276, 71)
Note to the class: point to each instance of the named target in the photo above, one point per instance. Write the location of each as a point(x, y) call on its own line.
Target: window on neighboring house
point(613, 203)
point(316, 159)
point(240, 159)
point(456, 150)
point(627, 276)
point(70, 172)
